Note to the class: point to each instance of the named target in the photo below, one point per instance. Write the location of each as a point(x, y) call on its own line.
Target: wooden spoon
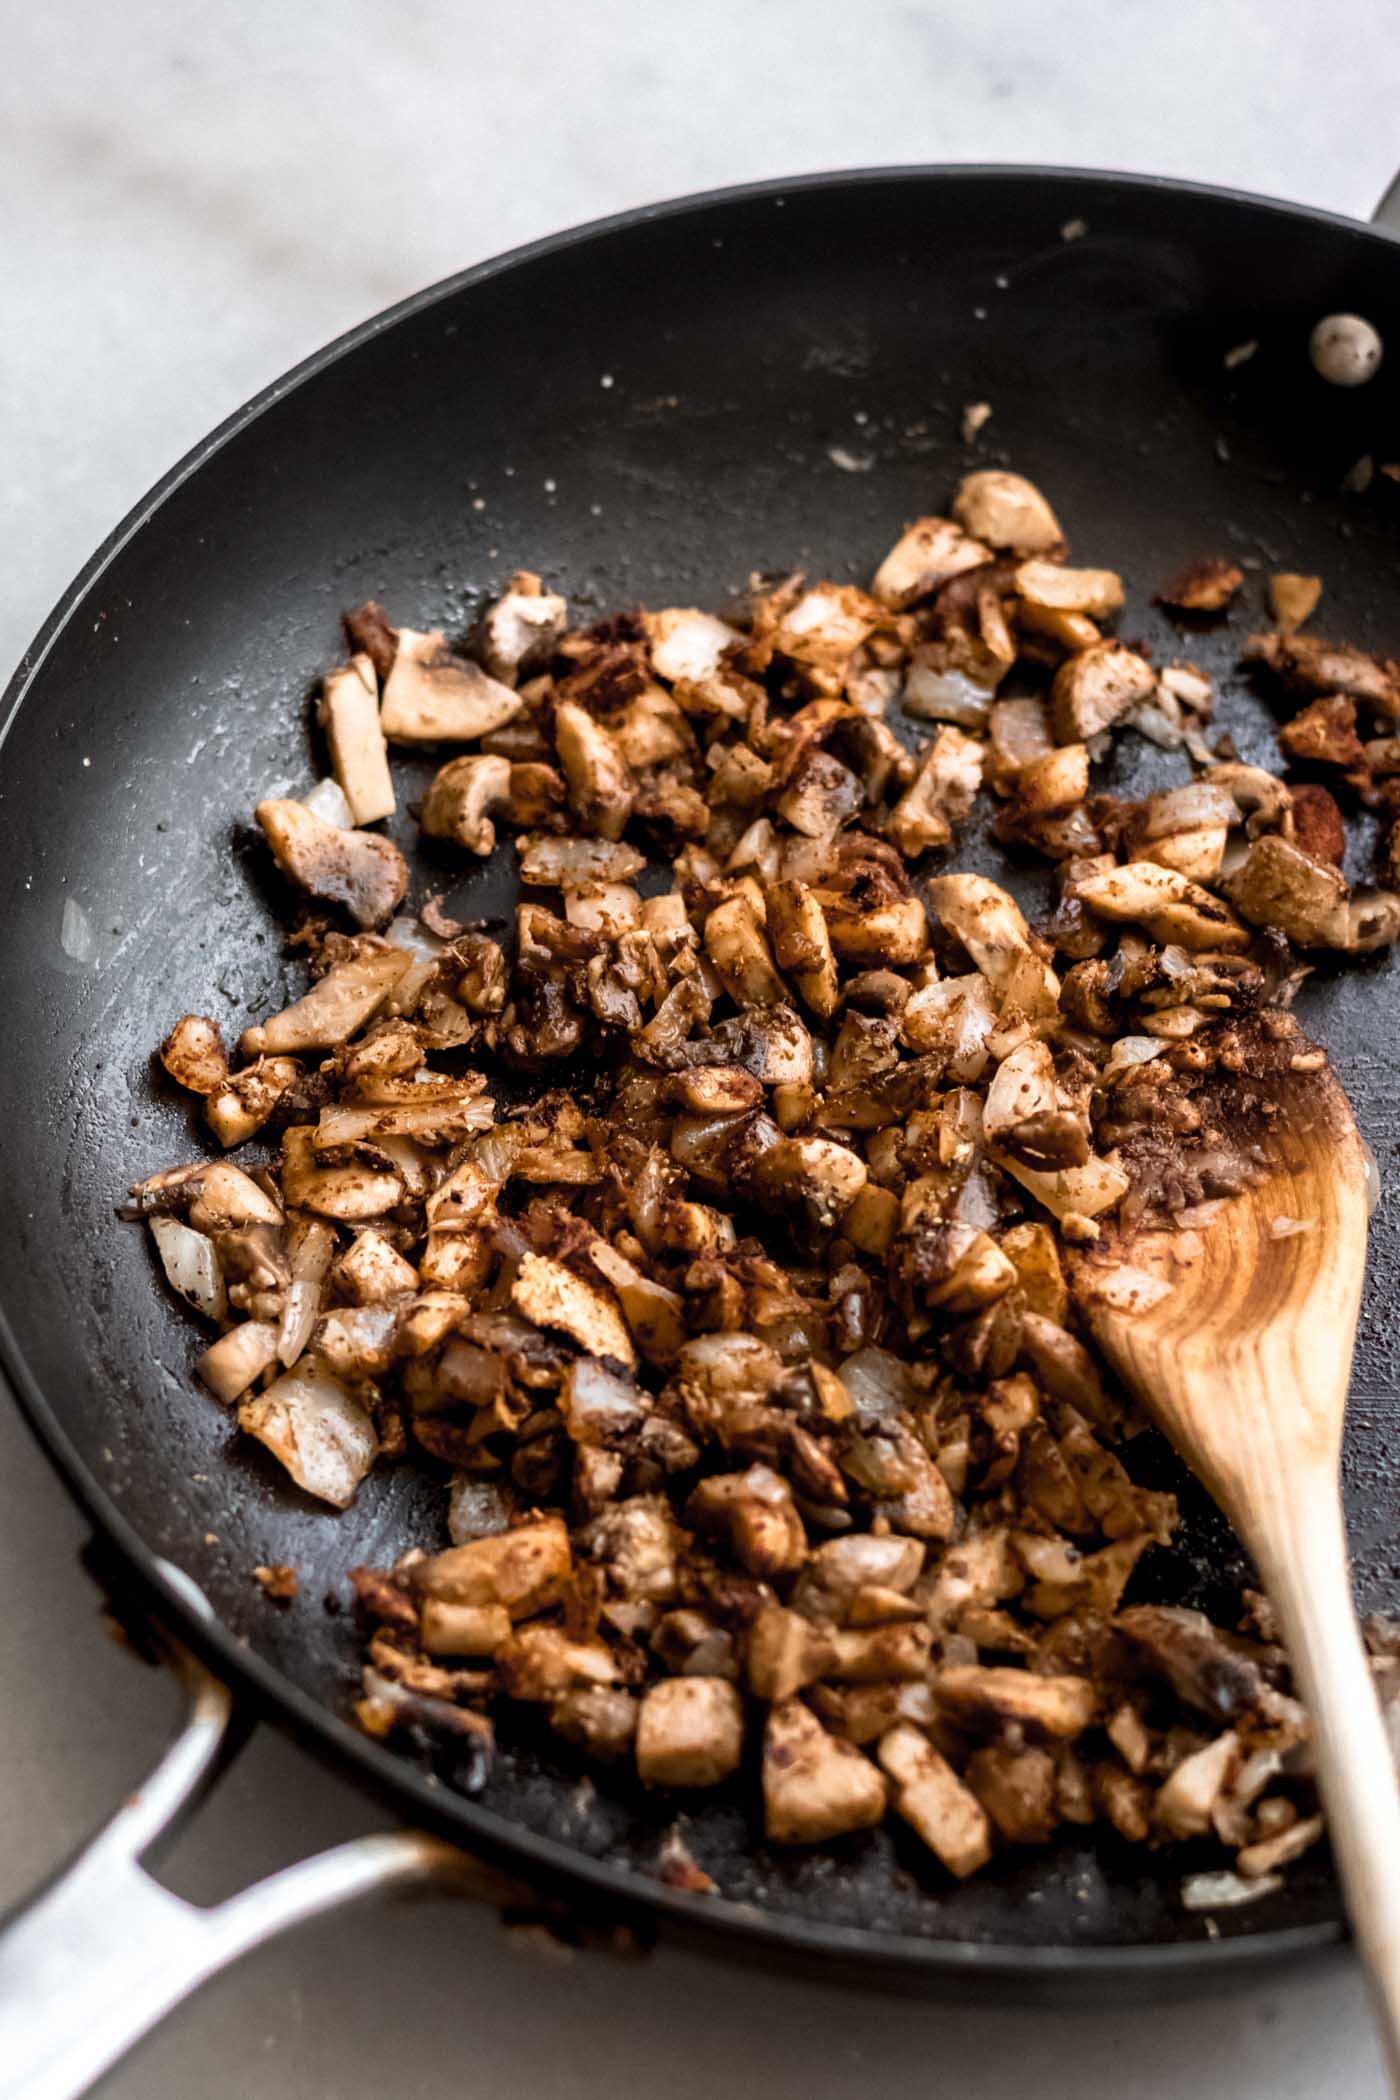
point(1237, 1336)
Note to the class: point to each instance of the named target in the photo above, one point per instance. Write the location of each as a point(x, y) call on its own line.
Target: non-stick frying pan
point(644, 411)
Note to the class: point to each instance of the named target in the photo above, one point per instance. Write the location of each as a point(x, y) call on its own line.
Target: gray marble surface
point(193, 198)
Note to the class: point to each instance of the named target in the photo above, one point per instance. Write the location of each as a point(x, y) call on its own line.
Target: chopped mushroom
point(553, 1296)
point(349, 714)
point(365, 873)
point(941, 794)
point(1048, 586)
point(690, 1732)
point(934, 1802)
point(1169, 905)
point(519, 631)
point(194, 1055)
point(815, 1787)
point(931, 552)
point(732, 1317)
point(1006, 511)
point(1309, 665)
point(1096, 687)
point(601, 789)
point(434, 697)
point(463, 795)
point(333, 1010)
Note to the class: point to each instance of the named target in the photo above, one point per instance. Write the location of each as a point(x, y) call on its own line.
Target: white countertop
point(195, 197)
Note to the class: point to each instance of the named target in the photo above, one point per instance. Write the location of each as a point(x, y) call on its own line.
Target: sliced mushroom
point(349, 714)
point(349, 1194)
point(1309, 665)
point(463, 795)
point(333, 1010)
point(1171, 907)
point(365, 873)
point(929, 554)
point(432, 696)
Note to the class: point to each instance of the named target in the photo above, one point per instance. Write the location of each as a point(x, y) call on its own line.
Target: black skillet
point(646, 410)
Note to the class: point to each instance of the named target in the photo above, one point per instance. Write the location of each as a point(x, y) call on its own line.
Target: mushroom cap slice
point(434, 697)
point(349, 714)
point(365, 873)
point(457, 804)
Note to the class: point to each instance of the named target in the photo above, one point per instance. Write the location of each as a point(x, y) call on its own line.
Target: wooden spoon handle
point(1299, 1541)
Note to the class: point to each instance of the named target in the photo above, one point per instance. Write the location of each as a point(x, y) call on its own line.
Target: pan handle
point(1387, 213)
point(101, 1954)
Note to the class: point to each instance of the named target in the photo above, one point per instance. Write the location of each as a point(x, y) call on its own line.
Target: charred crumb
point(708, 1242)
point(1205, 585)
point(278, 1582)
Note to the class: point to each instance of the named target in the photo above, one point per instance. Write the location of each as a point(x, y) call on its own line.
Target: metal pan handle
point(1387, 213)
point(100, 1955)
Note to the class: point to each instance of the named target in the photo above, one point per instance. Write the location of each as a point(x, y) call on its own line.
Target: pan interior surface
point(646, 413)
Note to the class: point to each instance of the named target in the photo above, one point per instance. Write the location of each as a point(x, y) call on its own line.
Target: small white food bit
point(1225, 1890)
point(1289, 1228)
point(1074, 229)
point(973, 417)
point(1345, 350)
point(850, 462)
point(1240, 355)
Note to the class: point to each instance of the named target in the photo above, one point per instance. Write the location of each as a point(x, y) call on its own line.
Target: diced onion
point(1224, 1890)
point(876, 1381)
point(327, 801)
point(191, 1265)
point(1130, 1050)
point(476, 1509)
point(319, 1431)
point(410, 934)
point(1127, 1289)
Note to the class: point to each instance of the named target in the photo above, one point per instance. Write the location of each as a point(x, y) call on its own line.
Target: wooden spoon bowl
point(1237, 1337)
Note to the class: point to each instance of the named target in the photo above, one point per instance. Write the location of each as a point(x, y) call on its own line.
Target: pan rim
point(271, 1695)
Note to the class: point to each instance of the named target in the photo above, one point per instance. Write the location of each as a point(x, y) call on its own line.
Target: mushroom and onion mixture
point(744, 1331)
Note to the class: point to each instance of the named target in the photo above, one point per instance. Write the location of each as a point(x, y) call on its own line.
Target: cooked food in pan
point(713, 1231)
